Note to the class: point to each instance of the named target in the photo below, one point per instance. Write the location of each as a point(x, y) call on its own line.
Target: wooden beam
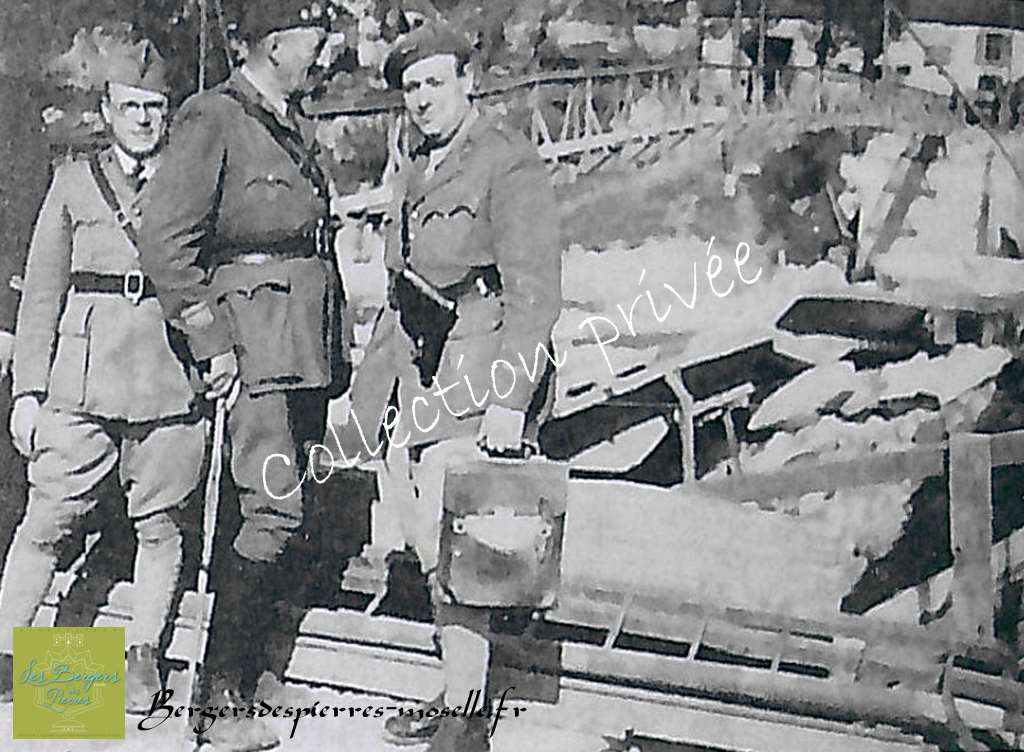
point(890, 467)
point(762, 24)
point(684, 418)
point(1007, 448)
point(905, 607)
point(886, 33)
point(577, 600)
point(595, 709)
point(902, 651)
point(970, 518)
point(798, 696)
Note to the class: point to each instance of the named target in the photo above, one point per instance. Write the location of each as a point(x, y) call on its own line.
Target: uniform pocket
point(259, 314)
point(444, 228)
point(277, 315)
point(267, 189)
point(69, 373)
point(450, 211)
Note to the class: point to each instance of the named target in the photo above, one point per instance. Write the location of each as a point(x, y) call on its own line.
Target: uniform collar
point(446, 167)
point(271, 100)
point(437, 155)
point(129, 163)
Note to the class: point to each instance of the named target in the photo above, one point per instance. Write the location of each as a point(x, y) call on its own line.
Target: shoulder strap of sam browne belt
point(107, 191)
point(285, 138)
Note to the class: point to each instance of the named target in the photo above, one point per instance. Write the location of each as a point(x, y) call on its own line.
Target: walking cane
point(212, 498)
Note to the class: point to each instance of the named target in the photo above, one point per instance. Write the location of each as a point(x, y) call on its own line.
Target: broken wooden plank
point(576, 598)
point(1007, 448)
point(888, 467)
point(970, 517)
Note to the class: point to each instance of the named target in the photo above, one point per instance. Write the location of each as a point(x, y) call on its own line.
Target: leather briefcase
point(501, 532)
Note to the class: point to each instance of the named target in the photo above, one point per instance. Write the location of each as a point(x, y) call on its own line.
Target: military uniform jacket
point(226, 189)
point(95, 353)
point(490, 201)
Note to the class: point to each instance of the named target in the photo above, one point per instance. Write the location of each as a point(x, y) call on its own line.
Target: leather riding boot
point(231, 732)
point(142, 679)
point(416, 726)
point(458, 734)
point(238, 626)
point(6, 677)
point(408, 592)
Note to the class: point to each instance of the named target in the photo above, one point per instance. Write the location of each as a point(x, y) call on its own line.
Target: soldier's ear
point(105, 106)
point(271, 44)
point(467, 79)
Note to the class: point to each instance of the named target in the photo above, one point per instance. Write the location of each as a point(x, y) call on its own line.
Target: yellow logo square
point(69, 683)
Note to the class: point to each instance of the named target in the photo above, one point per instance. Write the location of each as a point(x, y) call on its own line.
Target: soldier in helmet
point(474, 261)
point(236, 240)
point(98, 387)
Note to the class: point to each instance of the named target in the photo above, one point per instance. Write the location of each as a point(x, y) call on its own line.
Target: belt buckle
point(134, 286)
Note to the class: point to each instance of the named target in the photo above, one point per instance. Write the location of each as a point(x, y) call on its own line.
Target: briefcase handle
point(525, 451)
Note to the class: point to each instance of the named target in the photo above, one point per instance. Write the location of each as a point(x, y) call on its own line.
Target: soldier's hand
point(222, 377)
point(23, 423)
point(502, 429)
point(6, 352)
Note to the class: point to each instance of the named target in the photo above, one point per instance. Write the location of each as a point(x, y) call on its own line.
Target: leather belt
point(485, 280)
point(314, 243)
point(482, 280)
point(133, 285)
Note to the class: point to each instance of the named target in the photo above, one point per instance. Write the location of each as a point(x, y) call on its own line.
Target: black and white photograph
point(535, 376)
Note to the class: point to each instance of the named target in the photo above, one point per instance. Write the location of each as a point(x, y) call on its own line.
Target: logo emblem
point(69, 683)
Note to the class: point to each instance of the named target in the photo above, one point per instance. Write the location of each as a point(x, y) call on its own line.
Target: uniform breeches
point(159, 464)
point(269, 436)
point(463, 630)
point(260, 580)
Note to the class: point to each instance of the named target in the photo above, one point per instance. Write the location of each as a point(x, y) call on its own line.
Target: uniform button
point(412, 235)
point(137, 211)
point(270, 177)
point(415, 213)
point(316, 191)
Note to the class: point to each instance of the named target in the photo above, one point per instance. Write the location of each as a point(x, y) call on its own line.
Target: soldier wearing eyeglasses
point(98, 387)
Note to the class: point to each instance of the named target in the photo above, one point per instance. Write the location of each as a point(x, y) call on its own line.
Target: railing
point(967, 460)
point(586, 114)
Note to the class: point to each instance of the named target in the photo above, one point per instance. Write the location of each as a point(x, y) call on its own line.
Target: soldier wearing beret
point(235, 239)
point(98, 387)
point(474, 260)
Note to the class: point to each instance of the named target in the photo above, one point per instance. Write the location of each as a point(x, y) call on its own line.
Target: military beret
point(103, 55)
point(138, 65)
point(432, 38)
point(255, 19)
